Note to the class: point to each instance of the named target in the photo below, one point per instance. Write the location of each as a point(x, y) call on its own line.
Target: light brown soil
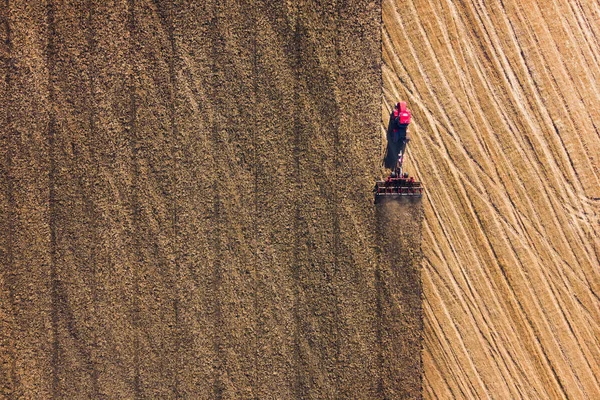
point(506, 137)
point(186, 204)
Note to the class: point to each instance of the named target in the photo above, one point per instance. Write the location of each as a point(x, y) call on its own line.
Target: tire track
point(220, 368)
point(300, 385)
point(50, 60)
point(530, 220)
point(332, 114)
point(562, 143)
point(278, 241)
point(9, 378)
point(568, 103)
point(135, 206)
point(335, 115)
point(254, 16)
point(167, 21)
point(217, 281)
point(90, 35)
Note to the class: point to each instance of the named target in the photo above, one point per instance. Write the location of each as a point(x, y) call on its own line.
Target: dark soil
point(399, 297)
point(186, 206)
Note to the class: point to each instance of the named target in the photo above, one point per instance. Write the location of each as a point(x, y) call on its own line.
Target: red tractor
point(398, 183)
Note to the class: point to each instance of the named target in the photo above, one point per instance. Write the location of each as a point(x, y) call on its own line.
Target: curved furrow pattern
point(505, 101)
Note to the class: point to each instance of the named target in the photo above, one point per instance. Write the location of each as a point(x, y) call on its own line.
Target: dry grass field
point(506, 136)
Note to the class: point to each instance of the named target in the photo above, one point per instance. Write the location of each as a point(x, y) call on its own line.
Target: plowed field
point(187, 208)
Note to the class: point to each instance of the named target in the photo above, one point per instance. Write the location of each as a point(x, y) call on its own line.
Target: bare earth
point(506, 137)
point(186, 208)
point(186, 205)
